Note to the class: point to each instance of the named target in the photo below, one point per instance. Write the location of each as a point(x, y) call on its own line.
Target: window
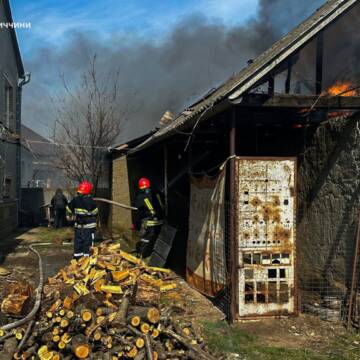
point(9, 104)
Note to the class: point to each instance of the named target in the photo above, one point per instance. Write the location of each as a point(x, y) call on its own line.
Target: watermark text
point(15, 25)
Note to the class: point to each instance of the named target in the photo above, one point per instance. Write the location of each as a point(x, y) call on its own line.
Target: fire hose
point(116, 203)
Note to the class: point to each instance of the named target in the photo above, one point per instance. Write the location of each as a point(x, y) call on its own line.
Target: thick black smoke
point(196, 56)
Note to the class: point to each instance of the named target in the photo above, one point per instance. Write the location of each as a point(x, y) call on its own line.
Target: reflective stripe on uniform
point(149, 206)
point(78, 254)
point(160, 201)
point(68, 210)
point(153, 222)
point(145, 241)
point(79, 211)
point(85, 226)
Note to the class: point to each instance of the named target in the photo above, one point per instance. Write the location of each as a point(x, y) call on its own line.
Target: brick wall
point(121, 218)
point(8, 218)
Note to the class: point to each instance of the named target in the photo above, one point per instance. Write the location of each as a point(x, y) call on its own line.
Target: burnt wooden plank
point(319, 62)
point(302, 101)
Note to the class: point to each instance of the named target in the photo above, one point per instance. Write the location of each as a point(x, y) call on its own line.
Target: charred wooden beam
point(271, 86)
point(288, 77)
point(302, 101)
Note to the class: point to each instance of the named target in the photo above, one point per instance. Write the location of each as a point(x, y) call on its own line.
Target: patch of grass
point(222, 338)
point(51, 235)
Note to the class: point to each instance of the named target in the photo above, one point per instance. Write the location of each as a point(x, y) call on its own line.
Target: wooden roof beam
point(300, 101)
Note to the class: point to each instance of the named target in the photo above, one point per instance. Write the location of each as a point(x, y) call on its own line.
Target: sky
point(169, 53)
point(52, 21)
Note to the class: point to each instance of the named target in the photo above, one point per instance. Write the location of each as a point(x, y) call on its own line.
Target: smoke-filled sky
point(168, 52)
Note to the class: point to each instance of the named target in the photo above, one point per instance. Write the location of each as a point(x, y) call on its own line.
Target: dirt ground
point(304, 337)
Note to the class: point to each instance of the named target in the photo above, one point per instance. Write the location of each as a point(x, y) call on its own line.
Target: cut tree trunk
point(14, 304)
point(148, 314)
point(147, 294)
point(8, 350)
point(121, 315)
point(80, 346)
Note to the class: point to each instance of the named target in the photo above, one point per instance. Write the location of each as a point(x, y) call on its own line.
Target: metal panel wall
point(266, 204)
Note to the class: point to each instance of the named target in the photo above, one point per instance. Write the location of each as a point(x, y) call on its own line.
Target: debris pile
point(106, 306)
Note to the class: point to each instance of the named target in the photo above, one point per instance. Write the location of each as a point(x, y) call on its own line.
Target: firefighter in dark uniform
point(149, 217)
point(84, 209)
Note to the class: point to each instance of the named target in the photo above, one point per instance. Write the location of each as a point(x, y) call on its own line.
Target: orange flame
point(341, 89)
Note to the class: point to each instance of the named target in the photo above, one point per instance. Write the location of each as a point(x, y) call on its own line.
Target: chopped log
point(87, 315)
point(145, 328)
point(150, 314)
point(141, 355)
point(97, 335)
point(199, 353)
point(46, 337)
point(9, 348)
point(103, 311)
point(132, 352)
point(140, 343)
point(147, 294)
point(80, 346)
point(64, 323)
point(70, 314)
point(30, 351)
point(14, 304)
point(155, 333)
point(66, 338)
point(68, 302)
point(167, 287)
point(112, 289)
point(121, 315)
point(49, 314)
point(120, 275)
point(134, 320)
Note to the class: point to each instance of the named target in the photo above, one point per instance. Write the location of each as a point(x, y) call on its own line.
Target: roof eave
point(19, 63)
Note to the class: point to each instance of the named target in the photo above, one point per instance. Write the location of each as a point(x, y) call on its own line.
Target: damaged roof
point(238, 84)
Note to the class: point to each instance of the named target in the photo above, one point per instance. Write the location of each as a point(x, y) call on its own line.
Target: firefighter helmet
point(144, 183)
point(84, 188)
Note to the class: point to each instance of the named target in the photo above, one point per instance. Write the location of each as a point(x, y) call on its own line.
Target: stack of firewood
point(107, 306)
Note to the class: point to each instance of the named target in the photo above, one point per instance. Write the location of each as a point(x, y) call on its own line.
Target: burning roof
point(237, 85)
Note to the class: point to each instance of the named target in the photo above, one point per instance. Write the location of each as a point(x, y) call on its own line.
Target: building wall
point(328, 203)
point(121, 218)
point(8, 159)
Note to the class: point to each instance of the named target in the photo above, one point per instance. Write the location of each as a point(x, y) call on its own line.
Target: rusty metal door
point(266, 203)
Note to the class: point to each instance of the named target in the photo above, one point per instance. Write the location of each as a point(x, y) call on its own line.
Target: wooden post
point(288, 77)
point(166, 180)
point(319, 62)
point(233, 248)
point(271, 88)
point(354, 274)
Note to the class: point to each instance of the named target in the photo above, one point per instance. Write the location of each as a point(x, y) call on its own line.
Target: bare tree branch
point(89, 117)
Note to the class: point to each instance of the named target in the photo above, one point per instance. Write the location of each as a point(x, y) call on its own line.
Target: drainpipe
point(22, 81)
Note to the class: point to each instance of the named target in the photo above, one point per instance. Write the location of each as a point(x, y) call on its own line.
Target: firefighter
point(149, 217)
point(84, 209)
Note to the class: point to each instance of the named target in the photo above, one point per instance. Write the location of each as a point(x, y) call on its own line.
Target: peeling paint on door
point(265, 229)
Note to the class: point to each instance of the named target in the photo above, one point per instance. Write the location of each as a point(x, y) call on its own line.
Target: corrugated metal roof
point(262, 65)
